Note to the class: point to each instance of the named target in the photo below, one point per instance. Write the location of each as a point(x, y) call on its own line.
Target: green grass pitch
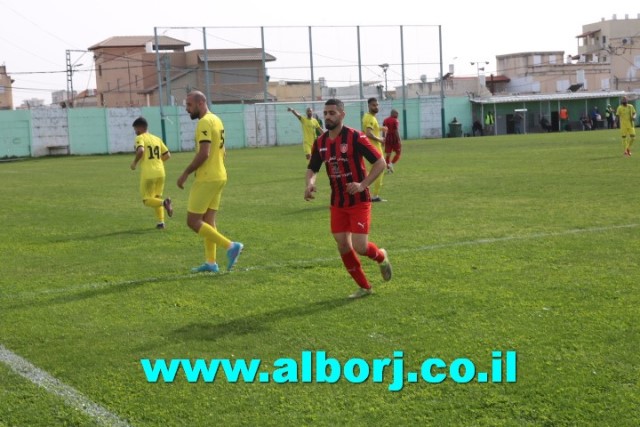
point(527, 243)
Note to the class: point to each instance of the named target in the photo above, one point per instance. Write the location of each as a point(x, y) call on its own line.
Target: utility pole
point(70, 66)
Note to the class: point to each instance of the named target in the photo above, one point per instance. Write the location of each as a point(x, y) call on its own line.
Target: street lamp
point(385, 67)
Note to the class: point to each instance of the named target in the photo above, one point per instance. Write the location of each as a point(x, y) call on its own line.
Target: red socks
point(352, 263)
point(374, 253)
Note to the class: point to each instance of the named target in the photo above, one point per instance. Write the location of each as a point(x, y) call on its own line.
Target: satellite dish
point(423, 78)
point(625, 40)
point(576, 87)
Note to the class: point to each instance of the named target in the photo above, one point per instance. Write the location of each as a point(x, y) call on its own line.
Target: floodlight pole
point(385, 67)
point(207, 81)
point(478, 69)
point(360, 73)
point(160, 100)
point(313, 86)
point(442, 120)
point(404, 87)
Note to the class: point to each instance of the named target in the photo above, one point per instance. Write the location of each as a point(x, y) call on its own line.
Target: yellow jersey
point(370, 121)
point(151, 164)
point(626, 115)
point(309, 127)
point(210, 130)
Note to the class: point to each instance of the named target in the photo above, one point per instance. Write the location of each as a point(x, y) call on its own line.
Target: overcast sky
point(35, 34)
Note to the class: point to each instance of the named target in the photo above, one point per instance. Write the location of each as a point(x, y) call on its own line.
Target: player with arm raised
point(310, 129)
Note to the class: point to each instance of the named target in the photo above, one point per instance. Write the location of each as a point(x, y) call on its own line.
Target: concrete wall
point(85, 131)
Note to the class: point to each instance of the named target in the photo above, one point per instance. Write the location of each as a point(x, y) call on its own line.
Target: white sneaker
point(361, 292)
point(385, 266)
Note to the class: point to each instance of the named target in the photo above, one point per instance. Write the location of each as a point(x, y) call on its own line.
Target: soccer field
point(523, 244)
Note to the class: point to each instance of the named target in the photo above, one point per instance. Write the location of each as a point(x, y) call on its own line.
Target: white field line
point(293, 263)
point(103, 416)
point(52, 385)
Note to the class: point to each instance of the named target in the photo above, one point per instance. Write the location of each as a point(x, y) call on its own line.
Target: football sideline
point(52, 385)
point(103, 416)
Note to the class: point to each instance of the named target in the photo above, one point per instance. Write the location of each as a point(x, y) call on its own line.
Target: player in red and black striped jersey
point(343, 150)
point(392, 142)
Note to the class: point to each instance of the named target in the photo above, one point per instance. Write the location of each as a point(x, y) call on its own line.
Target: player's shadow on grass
point(253, 324)
point(598, 159)
point(91, 236)
point(90, 291)
point(306, 210)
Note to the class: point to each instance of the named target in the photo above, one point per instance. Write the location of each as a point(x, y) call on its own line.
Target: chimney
point(614, 17)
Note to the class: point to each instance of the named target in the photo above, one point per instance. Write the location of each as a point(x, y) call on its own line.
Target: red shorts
point(354, 219)
point(392, 143)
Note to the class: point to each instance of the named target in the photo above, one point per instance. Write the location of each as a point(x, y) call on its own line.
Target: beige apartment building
point(608, 59)
point(295, 91)
point(127, 72)
point(615, 42)
point(6, 84)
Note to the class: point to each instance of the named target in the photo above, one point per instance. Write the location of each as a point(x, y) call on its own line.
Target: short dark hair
point(372, 99)
point(140, 122)
point(333, 101)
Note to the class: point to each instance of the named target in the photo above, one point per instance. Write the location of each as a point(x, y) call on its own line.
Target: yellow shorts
point(378, 145)
point(151, 188)
point(306, 146)
point(628, 130)
point(205, 195)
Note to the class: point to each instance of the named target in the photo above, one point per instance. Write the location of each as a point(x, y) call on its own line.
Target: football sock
point(159, 213)
point(352, 263)
point(210, 248)
point(374, 252)
point(208, 232)
point(153, 202)
point(377, 185)
point(156, 204)
point(395, 158)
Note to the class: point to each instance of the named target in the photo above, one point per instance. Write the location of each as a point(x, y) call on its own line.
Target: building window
point(100, 70)
point(552, 59)
point(537, 60)
point(562, 85)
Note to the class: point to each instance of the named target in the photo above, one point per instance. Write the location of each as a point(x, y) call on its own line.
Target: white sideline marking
point(103, 416)
point(524, 237)
point(88, 286)
point(52, 385)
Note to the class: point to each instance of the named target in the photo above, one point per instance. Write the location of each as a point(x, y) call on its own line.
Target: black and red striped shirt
point(344, 161)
